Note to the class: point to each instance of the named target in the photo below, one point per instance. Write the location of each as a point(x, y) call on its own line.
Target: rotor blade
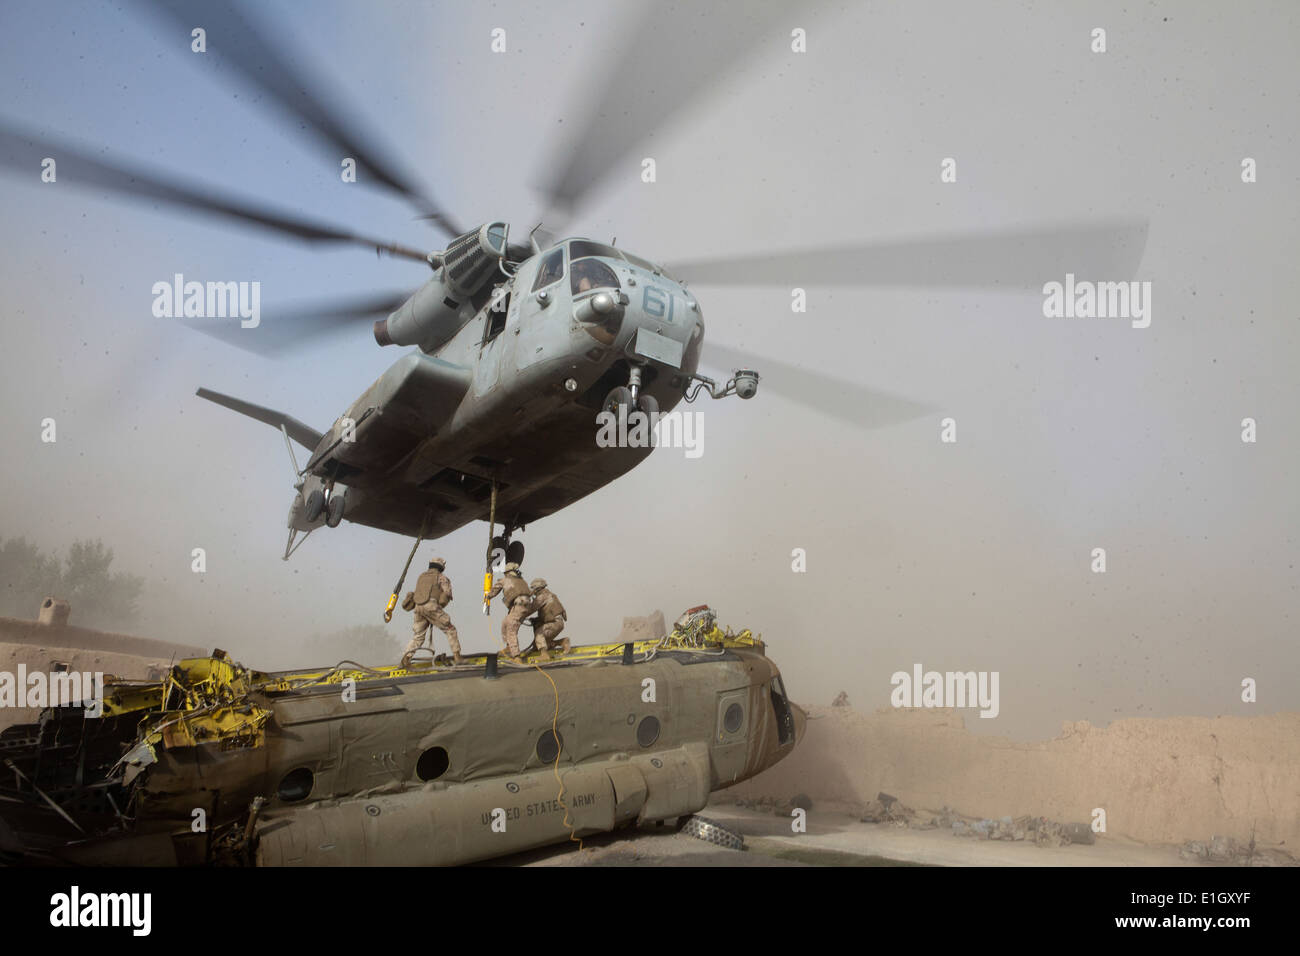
point(1014, 260)
point(235, 40)
point(848, 401)
point(666, 61)
point(286, 330)
point(24, 152)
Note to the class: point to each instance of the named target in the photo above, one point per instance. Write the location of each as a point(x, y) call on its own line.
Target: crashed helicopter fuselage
point(433, 765)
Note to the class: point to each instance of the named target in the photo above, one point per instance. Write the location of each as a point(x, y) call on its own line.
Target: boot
point(564, 645)
point(406, 661)
point(544, 656)
point(457, 659)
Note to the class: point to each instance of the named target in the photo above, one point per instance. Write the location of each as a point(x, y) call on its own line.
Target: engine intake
point(472, 258)
point(433, 314)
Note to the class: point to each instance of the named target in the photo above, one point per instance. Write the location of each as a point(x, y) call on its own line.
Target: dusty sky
point(1073, 434)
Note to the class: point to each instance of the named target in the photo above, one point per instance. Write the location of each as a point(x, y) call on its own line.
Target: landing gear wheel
point(648, 404)
point(618, 401)
point(315, 505)
point(515, 553)
point(704, 829)
point(334, 511)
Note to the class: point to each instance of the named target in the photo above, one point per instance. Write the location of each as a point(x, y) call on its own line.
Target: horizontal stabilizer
point(304, 435)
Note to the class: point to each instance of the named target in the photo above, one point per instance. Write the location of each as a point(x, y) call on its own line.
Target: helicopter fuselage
point(512, 397)
point(431, 765)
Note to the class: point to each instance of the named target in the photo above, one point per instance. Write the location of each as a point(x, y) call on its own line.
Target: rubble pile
point(887, 809)
point(776, 805)
point(1038, 830)
point(1224, 849)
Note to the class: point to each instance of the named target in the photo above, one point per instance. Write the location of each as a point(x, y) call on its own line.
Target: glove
point(408, 602)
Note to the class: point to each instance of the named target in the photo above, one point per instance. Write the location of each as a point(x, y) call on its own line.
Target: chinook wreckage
point(357, 766)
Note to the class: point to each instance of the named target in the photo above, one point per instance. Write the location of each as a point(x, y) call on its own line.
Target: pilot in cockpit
point(587, 274)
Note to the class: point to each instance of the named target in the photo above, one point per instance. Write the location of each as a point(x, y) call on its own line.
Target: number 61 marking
point(657, 303)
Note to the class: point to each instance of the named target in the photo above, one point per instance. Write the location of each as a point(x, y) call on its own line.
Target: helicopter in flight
point(517, 348)
point(494, 414)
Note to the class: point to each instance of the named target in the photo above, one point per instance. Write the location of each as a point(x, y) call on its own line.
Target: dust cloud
point(1072, 434)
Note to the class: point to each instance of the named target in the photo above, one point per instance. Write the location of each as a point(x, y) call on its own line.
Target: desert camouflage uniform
point(432, 595)
point(518, 599)
point(550, 618)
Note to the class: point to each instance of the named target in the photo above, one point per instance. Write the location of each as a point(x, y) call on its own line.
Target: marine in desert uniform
point(549, 619)
point(518, 599)
point(429, 603)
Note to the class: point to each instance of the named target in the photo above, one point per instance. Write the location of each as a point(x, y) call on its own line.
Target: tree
point(26, 576)
point(99, 597)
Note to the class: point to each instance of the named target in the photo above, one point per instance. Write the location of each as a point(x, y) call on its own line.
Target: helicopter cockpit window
point(581, 248)
point(784, 718)
point(496, 316)
point(588, 274)
point(551, 270)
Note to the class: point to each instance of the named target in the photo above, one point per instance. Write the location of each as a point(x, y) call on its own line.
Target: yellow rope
point(555, 734)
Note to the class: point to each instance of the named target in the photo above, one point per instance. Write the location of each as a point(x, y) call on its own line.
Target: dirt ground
point(832, 839)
